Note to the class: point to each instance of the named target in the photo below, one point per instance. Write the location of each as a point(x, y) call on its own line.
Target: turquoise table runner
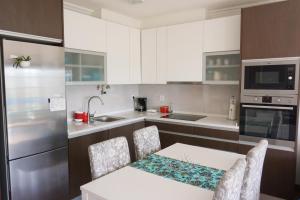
point(193, 174)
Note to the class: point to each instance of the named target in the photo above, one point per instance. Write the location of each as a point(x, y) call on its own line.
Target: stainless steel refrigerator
point(34, 153)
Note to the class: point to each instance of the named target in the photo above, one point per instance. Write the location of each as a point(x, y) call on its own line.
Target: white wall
point(174, 18)
point(118, 98)
point(186, 98)
point(179, 17)
point(111, 16)
point(210, 99)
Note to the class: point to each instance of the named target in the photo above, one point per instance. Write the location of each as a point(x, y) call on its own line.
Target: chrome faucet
point(91, 116)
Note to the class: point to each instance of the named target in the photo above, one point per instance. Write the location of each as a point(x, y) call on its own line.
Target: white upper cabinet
point(161, 56)
point(222, 34)
point(154, 56)
point(135, 56)
point(118, 54)
point(184, 52)
point(84, 32)
point(149, 56)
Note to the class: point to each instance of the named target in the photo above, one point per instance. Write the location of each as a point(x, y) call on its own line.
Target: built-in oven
point(270, 117)
point(270, 76)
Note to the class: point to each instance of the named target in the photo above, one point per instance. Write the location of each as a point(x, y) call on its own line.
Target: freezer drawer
point(42, 176)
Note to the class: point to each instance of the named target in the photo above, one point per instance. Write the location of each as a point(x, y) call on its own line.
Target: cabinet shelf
point(85, 66)
point(222, 66)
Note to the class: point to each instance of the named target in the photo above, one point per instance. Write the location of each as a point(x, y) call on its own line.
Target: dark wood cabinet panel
point(213, 144)
point(271, 30)
point(79, 164)
point(279, 168)
point(36, 17)
point(139, 125)
point(171, 127)
point(170, 139)
point(228, 135)
point(190, 136)
point(279, 172)
point(167, 140)
point(125, 131)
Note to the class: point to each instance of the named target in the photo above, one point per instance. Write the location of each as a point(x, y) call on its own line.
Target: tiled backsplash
point(212, 99)
point(118, 98)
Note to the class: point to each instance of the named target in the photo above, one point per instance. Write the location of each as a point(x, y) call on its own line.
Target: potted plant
point(22, 61)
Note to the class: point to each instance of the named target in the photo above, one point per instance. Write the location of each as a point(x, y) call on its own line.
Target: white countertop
point(130, 117)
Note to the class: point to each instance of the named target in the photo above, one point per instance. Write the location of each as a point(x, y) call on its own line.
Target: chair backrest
point(229, 187)
point(252, 179)
point(146, 141)
point(108, 156)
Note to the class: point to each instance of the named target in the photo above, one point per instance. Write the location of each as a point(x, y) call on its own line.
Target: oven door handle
point(268, 107)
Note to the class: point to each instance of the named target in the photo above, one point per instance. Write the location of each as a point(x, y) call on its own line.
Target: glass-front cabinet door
point(268, 121)
point(222, 68)
point(85, 67)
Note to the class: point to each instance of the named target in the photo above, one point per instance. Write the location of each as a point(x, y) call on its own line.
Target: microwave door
point(270, 77)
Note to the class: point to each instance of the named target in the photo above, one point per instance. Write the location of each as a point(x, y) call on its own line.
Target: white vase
point(25, 63)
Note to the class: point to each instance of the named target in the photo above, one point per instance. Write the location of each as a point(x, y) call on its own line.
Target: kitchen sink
point(107, 119)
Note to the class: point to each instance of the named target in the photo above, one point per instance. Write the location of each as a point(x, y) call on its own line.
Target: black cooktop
point(185, 117)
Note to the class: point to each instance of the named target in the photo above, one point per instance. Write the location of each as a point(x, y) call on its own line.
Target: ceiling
point(152, 8)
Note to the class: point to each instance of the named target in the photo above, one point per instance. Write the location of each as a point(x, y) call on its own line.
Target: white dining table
point(130, 183)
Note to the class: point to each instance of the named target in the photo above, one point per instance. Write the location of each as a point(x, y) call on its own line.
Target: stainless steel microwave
point(278, 76)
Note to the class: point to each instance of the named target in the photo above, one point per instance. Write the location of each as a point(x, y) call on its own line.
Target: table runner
point(193, 174)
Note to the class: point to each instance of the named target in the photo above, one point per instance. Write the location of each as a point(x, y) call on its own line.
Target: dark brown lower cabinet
point(171, 127)
point(173, 133)
point(279, 168)
point(139, 125)
point(278, 177)
point(127, 131)
point(279, 171)
point(79, 164)
point(170, 139)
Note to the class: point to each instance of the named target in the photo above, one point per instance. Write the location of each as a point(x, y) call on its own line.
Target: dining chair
point(108, 156)
point(252, 179)
point(146, 141)
point(229, 187)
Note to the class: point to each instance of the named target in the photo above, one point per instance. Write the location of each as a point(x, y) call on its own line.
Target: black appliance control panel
point(266, 99)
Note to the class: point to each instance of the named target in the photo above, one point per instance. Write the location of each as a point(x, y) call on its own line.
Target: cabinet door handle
point(268, 107)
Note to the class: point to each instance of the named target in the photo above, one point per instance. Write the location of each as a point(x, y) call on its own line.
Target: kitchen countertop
point(130, 117)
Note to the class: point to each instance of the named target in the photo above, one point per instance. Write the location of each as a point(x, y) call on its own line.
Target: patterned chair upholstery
point(229, 187)
point(146, 142)
point(108, 156)
point(255, 161)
